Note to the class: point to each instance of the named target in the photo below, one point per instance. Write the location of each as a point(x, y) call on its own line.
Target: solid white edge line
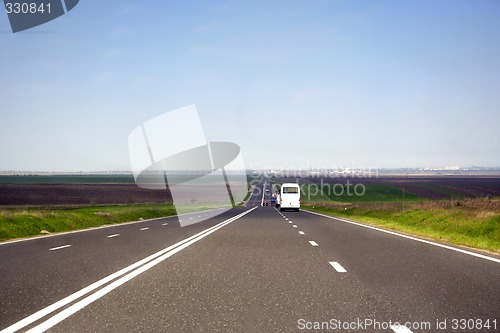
point(338, 267)
point(482, 256)
point(65, 301)
point(313, 243)
point(59, 247)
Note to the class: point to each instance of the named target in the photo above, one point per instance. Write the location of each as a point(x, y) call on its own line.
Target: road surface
point(252, 269)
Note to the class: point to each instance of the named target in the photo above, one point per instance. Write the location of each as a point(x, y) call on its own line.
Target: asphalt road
point(252, 269)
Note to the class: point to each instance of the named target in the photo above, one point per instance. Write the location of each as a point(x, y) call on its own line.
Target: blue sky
point(306, 83)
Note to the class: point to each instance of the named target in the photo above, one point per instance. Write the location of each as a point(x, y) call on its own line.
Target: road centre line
point(142, 229)
point(263, 193)
point(59, 247)
point(313, 243)
point(132, 270)
point(482, 256)
point(302, 233)
point(294, 226)
point(112, 236)
point(338, 267)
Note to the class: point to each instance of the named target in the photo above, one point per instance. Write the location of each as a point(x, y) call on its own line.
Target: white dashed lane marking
point(59, 247)
point(294, 226)
point(112, 236)
point(142, 229)
point(338, 267)
point(313, 243)
point(302, 233)
point(167, 223)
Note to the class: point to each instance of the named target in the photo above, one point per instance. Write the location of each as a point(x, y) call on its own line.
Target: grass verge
point(471, 222)
point(26, 222)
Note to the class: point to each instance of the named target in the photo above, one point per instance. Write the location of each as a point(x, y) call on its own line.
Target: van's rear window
point(290, 190)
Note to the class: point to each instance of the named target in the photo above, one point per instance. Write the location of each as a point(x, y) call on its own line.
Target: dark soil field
point(84, 190)
point(431, 187)
point(436, 188)
point(79, 194)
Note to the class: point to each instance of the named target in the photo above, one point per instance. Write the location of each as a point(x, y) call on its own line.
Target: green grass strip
point(473, 223)
point(26, 222)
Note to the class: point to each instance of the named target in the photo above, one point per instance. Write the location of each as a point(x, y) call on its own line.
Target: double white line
point(124, 275)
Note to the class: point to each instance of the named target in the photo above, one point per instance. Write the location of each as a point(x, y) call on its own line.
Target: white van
point(290, 196)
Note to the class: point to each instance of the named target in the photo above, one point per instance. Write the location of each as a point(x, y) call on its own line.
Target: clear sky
point(307, 83)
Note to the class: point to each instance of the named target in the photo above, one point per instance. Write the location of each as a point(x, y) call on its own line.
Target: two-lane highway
point(251, 269)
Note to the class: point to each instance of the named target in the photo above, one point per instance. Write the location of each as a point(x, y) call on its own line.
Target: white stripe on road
point(290, 222)
point(142, 229)
point(408, 237)
point(167, 223)
point(400, 329)
point(132, 270)
point(294, 226)
point(112, 236)
point(302, 233)
point(59, 247)
point(313, 243)
point(263, 193)
point(338, 267)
